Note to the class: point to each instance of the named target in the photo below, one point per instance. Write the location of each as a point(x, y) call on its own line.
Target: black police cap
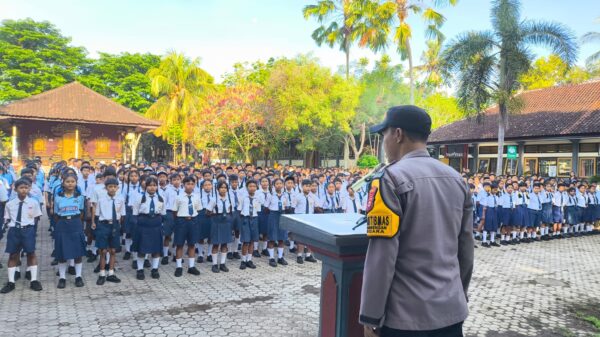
point(406, 117)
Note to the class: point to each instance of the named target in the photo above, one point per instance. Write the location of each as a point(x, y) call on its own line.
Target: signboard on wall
point(552, 171)
point(511, 152)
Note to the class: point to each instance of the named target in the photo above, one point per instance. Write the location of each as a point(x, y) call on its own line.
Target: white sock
point(522, 235)
point(111, 272)
point(223, 257)
point(128, 243)
point(230, 247)
point(244, 258)
point(155, 261)
point(179, 262)
point(255, 245)
point(215, 259)
point(514, 234)
point(503, 238)
point(271, 252)
point(11, 274)
point(292, 243)
point(485, 236)
point(529, 235)
point(94, 248)
point(534, 234)
point(140, 263)
point(33, 270)
point(308, 254)
point(71, 262)
point(102, 273)
point(78, 267)
point(165, 250)
point(107, 257)
point(62, 270)
point(191, 261)
point(493, 237)
point(248, 257)
point(205, 249)
point(280, 253)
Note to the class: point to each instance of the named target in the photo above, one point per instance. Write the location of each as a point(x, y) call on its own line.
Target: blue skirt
point(571, 215)
point(236, 220)
point(169, 223)
point(557, 214)
point(274, 233)
point(506, 216)
point(580, 214)
point(204, 224)
point(148, 238)
point(249, 230)
point(491, 219)
point(521, 216)
point(597, 212)
point(128, 224)
point(220, 230)
point(263, 220)
point(547, 217)
point(69, 239)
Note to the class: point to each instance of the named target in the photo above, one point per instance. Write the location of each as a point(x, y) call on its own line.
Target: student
point(547, 219)
point(187, 229)
point(559, 199)
point(351, 203)
point(110, 211)
point(490, 216)
point(206, 196)
point(276, 235)
point(591, 209)
point(149, 208)
point(535, 211)
point(132, 191)
point(506, 209)
point(571, 216)
point(220, 233)
point(20, 216)
point(173, 192)
point(328, 202)
point(290, 193)
point(581, 209)
point(69, 238)
point(264, 197)
point(249, 228)
point(305, 204)
point(235, 196)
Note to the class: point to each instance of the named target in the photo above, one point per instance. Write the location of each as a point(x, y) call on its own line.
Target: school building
point(556, 131)
point(72, 121)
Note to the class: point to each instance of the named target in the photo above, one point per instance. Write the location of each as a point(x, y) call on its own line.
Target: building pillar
point(14, 145)
point(575, 156)
point(521, 159)
point(76, 142)
point(475, 167)
point(436, 152)
point(465, 160)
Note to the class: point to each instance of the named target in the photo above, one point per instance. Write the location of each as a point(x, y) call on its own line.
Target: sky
point(223, 32)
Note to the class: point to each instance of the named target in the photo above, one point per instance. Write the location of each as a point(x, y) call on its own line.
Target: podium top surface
point(332, 232)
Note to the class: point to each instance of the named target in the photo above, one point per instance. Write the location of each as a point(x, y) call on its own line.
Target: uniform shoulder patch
point(381, 220)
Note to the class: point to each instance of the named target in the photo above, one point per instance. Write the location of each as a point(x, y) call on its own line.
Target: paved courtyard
point(541, 289)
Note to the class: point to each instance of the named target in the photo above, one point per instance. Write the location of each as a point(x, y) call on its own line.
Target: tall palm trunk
point(410, 73)
point(502, 116)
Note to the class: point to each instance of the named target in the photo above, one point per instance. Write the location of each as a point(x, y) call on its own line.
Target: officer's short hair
point(416, 136)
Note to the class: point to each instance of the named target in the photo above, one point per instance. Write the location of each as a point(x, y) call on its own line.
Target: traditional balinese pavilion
point(72, 121)
point(557, 131)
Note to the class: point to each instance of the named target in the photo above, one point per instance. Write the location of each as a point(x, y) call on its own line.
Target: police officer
point(420, 221)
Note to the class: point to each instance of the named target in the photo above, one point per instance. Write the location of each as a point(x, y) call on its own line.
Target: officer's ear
point(398, 135)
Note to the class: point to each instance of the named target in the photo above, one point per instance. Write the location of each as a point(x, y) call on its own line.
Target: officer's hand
point(369, 332)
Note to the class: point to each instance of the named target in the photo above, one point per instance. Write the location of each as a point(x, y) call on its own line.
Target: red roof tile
point(75, 103)
point(570, 110)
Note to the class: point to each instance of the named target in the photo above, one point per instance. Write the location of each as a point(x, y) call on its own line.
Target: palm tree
point(589, 38)
point(180, 85)
point(432, 68)
point(342, 23)
point(397, 13)
point(488, 64)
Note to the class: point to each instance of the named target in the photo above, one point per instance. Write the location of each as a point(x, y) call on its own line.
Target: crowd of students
point(513, 210)
point(156, 214)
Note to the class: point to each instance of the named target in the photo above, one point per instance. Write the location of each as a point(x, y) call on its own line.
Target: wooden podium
point(342, 251)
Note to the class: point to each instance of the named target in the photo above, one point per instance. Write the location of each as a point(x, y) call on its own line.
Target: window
point(548, 167)
point(455, 163)
point(565, 148)
point(530, 166)
point(551, 148)
point(586, 167)
point(564, 167)
point(102, 145)
point(39, 145)
point(510, 166)
point(588, 147)
point(531, 149)
point(488, 150)
point(493, 163)
point(483, 165)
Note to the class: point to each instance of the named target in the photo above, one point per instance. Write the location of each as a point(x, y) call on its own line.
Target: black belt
point(68, 217)
point(186, 217)
point(148, 215)
point(106, 222)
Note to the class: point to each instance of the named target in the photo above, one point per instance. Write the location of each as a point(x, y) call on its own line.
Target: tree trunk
point(347, 52)
point(134, 145)
point(501, 127)
point(411, 74)
point(174, 153)
point(183, 151)
point(346, 152)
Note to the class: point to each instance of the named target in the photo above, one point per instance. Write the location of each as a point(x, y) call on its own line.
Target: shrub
point(367, 161)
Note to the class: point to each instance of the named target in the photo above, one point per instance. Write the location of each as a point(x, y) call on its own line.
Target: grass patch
point(593, 320)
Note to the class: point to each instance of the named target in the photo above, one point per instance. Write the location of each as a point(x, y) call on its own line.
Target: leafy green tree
point(309, 104)
point(258, 72)
point(35, 57)
point(122, 78)
point(552, 71)
point(180, 86)
point(442, 109)
point(396, 13)
point(489, 64)
point(432, 70)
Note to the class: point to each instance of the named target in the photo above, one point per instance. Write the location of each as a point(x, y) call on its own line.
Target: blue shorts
point(107, 235)
point(580, 212)
point(169, 224)
point(19, 239)
point(506, 216)
point(263, 219)
point(547, 217)
point(249, 230)
point(274, 233)
point(186, 231)
point(535, 218)
point(557, 214)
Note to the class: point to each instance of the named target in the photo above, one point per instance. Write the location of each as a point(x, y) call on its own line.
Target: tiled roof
point(75, 103)
point(570, 110)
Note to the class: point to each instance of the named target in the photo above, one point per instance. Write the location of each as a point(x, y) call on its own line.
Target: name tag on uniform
point(381, 220)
